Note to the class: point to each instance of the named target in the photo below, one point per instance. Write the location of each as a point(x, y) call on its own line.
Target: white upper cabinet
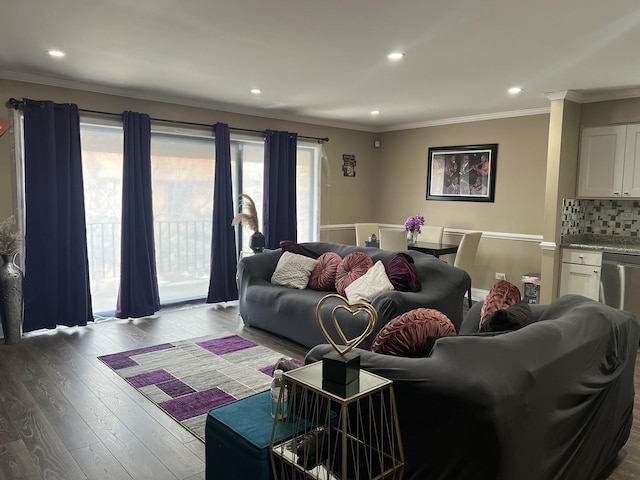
point(610, 162)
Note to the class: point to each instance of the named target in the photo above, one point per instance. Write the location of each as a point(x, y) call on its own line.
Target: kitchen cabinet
point(610, 162)
point(580, 273)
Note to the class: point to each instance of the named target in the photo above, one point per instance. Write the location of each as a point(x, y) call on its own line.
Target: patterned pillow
point(323, 276)
point(502, 295)
point(409, 334)
point(402, 273)
point(293, 270)
point(370, 285)
point(351, 267)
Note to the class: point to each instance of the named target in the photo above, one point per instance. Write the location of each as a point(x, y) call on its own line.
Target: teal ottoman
point(238, 437)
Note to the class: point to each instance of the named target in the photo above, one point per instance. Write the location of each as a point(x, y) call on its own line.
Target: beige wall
point(344, 199)
point(519, 198)
point(390, 181)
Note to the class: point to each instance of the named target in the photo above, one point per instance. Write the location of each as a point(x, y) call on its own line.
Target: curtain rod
point(18, 103)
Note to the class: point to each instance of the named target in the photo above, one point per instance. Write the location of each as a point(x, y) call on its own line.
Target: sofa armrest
point(258, 266)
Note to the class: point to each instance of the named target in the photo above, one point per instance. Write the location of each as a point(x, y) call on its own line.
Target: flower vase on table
point(412, 226)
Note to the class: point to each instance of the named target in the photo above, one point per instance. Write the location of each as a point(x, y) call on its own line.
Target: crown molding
point(566, 95)
point(165, 98)
point(612, 95)
point(471, 118)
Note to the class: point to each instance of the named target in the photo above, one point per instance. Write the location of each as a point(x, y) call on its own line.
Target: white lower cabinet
point(580, 273)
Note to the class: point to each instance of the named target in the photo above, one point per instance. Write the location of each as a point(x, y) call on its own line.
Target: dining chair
point(393, 239)
point(364, 231)
point(466, 255)
point(431, 234)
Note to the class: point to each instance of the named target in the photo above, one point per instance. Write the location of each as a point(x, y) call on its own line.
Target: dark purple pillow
point(402, 273)
point(293, 247)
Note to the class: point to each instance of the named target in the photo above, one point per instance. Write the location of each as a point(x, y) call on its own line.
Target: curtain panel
point(56, 283)
point(222, 279)
point(138, 295)
point(279, 203)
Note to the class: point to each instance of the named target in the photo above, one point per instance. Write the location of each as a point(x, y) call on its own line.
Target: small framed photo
point(462, 173)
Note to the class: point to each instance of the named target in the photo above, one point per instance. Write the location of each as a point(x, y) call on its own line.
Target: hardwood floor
point(66, 416)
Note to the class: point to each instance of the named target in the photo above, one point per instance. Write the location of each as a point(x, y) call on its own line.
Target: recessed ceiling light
point(56, 53)
point(256, 91)
point(514, 90)
point(395, 56)
point(375, 112)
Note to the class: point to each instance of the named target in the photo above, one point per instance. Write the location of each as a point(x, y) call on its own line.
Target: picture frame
point(462, 173)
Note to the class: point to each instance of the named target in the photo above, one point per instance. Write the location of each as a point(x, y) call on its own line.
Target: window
point(182, 178)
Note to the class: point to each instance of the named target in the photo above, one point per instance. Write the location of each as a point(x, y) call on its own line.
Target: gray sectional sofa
point(552, 400)
point(291, 313)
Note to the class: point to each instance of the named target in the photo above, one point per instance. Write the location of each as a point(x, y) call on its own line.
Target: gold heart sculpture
point(354, 309)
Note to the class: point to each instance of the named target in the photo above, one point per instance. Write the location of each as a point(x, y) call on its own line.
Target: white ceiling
point(325, 61)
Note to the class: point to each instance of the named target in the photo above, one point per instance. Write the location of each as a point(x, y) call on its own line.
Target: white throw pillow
point(370, 285)
point(293, 270)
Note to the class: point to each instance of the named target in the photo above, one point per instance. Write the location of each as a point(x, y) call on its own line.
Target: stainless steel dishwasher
point(620, 281)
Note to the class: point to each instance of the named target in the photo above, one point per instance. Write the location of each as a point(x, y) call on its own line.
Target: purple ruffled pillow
point(323, 277)
point(293, 247)
point(411, 334)
point(351, 267)
point(402, 273)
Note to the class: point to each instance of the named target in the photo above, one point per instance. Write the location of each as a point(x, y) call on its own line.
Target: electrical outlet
point(501, 276)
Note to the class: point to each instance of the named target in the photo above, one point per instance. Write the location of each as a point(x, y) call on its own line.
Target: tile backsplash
point(601, 217)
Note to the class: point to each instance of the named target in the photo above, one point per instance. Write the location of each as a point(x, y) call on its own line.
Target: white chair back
point(393, 239)
point(364, 231)
point(431, 234)
point(466, 254)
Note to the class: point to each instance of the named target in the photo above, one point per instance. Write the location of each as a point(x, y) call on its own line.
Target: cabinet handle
point(595, 271)
point(626, 193)
point(580, 256)
point(616, 193)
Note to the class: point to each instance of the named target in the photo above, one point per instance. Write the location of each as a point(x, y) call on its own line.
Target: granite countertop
point(609, 243)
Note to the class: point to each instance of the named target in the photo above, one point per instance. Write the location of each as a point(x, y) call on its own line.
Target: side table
point(361, 431)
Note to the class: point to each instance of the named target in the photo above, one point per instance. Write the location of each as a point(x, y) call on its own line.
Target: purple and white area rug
point(188, 378)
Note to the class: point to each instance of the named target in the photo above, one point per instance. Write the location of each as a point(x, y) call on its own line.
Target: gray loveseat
point(291, 313)
point(553, 400)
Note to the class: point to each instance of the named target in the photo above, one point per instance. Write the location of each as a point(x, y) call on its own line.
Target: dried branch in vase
point(9, 237)
point(248, 215)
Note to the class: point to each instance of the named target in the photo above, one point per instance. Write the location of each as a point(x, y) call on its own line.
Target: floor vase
point(11, 303)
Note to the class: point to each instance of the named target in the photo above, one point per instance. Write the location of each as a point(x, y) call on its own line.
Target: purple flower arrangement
point(413, 224)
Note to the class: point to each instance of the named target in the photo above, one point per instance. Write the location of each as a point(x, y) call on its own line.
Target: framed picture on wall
point(462, 173)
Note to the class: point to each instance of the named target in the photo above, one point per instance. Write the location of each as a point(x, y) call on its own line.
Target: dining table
point(435, 249)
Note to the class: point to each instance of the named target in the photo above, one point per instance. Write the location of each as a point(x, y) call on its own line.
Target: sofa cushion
point(502, 295)
point(293, 247)
point(351, 267)
point(293, 270)
point(370, 285)
point(323, 276)
point(408, 334)
point(508, 319)
point(402, 273)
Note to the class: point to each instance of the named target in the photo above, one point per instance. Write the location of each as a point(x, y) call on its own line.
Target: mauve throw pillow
point(408, 334)
point(323, 276)
point(293, 247)
point(402, 273)
point(508, 319)
point(351, 267)
point(502, 295)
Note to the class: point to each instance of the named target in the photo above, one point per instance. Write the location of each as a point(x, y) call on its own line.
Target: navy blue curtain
point(138, 295)
point(279, 202)
point(222, 278)
point(56, 284)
